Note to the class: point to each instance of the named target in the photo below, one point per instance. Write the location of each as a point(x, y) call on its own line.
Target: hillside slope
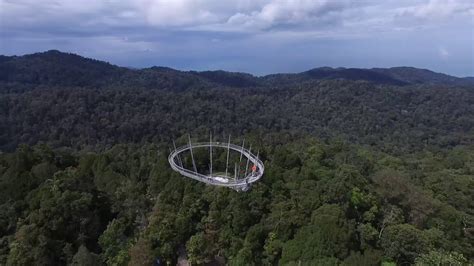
point(110, 104)
point(54, 68)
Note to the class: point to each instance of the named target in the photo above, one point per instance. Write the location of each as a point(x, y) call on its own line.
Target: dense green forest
point(362, 167)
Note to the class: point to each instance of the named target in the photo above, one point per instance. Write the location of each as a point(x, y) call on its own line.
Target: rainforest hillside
point(363, 166)
point(67, 100)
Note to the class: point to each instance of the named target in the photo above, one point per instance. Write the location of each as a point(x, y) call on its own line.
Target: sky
point(254, 36)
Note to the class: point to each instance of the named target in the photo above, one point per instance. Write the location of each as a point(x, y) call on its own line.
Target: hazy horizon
point(243, 72)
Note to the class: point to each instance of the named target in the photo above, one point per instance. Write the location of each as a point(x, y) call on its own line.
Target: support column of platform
point(192, 156)
point(227, 161)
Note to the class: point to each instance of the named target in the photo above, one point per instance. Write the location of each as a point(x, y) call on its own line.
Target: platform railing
point(239, 184)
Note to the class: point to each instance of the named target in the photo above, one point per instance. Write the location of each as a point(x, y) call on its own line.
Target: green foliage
point(62, 213)
point(148, 106)
point(442, 258)
point(327, 236)
point(356, 172)
point(319, 203)
point(141, 253)
point(198, 248)
point(115, 243)
point(369, 257)
point(84, 257)
point(404, 242)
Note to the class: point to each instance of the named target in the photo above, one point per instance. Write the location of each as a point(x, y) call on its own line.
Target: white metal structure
point(234, 181)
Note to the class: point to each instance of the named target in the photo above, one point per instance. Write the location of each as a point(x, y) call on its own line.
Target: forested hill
point(362, 166)
point(67, 100)
point(63, 69)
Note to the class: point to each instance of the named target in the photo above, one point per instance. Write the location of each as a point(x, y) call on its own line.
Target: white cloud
point(286, 13)
point(237, 14)
point(176, 13)
point(439, 9)
point(315, 17)
point(443, 53)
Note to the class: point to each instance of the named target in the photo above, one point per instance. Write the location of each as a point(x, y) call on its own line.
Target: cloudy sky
point(256, 36)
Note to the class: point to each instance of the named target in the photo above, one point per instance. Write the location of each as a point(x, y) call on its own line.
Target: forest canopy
point(358, 171)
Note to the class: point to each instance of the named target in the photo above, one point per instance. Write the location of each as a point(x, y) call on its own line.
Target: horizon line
point(232, 71)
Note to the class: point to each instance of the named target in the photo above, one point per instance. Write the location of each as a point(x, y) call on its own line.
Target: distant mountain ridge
point(413, 75)
point(65, 69)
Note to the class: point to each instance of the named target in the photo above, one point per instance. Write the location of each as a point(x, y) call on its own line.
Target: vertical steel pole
point(192, 156)
point(256, 162)
point(243, 144)
point(210, 151)
point(235, 171)
point(247, 165)
point(241, 151)
point(179, 158)
point(227, 162)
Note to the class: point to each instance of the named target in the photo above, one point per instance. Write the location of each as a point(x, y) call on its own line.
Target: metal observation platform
point(252, 169)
